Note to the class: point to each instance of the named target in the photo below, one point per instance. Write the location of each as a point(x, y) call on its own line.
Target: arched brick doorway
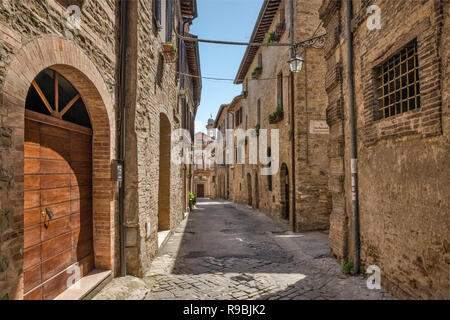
point(71, 62)
point(58, 223)
point(284, 191)
point(165, 131)
point(249, 190)
point(256, 192)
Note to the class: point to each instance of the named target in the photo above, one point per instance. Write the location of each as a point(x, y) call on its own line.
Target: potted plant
point(192, 200)
point(279, 30)
point(169, 52)
point(277, 116)
point(257, 72)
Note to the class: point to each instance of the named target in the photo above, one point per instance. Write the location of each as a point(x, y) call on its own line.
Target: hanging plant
point(257, 72)
point(279, 30)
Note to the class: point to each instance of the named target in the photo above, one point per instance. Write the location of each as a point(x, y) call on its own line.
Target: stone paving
point(229, 252)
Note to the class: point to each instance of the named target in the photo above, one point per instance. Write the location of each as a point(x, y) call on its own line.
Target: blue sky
point(231, 20)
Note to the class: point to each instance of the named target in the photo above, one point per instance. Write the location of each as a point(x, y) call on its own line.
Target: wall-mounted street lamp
point(296, 64)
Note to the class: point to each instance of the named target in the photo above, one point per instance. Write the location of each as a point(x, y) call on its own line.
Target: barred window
point(397, 82)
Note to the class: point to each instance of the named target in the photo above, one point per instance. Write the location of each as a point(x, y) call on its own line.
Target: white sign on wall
point(318, 127)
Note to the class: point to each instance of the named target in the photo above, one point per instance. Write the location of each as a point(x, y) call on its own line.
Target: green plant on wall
point(347, 267)
point(269, 37)
point(257, 71)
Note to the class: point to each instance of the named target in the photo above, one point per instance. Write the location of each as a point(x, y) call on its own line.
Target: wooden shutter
point(169, 23)
point(157, 6)
point(280, 91)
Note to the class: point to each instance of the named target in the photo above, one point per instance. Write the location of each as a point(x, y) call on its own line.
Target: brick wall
point(157, 98)
point(402, 159)
point(33, 37)
point(311, 178)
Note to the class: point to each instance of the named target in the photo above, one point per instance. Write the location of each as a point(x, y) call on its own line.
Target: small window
point(157, 10)
point(169, 20)
point(260, 60)
point(53, 95)
point(237, 117)
point(397, 83)
point(280, 91)
point(258, 113)
point(269, 177)
point(240, 115)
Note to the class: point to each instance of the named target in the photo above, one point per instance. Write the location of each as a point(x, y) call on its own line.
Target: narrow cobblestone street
point(223, 251)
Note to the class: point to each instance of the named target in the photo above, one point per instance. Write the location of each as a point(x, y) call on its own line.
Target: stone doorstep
point(88, 286)
point(163, 237)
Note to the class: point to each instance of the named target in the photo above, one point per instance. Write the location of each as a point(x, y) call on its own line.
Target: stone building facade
point(203, 165)
point(60, 208)
point(269, 84)
point(401, 81)
point(223, 172)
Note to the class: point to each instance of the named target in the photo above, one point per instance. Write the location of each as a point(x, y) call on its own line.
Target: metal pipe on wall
point(123, 9)
point(292, 118)
point(127, 97)
point(353, 138)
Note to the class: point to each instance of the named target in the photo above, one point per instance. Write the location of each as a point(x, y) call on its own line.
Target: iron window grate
point(397, 81)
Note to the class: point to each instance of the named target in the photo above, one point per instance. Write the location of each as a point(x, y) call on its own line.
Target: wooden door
point(58, 220)
point(200, 191)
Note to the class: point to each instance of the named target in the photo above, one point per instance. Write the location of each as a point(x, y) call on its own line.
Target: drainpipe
point(127, 91)
point(292, 116)
point(353, 138)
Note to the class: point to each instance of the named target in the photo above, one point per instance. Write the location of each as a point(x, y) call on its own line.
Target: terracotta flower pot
point(169, 53)
point(277, 118)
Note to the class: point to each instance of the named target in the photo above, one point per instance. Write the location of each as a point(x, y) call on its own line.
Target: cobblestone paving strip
point(229, 252)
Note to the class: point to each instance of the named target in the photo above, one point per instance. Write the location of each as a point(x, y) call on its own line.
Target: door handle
point(49, 214)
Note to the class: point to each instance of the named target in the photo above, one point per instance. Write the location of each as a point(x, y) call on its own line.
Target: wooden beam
point(56, 91)
point(69, 105)
point(43, 98)
point(50, 120)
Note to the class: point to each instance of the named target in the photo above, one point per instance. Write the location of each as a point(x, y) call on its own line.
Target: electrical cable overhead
point(224, 79)
point(251, 44)
point(308, 43)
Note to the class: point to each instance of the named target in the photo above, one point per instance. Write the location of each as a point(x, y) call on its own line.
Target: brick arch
point(66, 58)
point(164, 184)
point(284, 191)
